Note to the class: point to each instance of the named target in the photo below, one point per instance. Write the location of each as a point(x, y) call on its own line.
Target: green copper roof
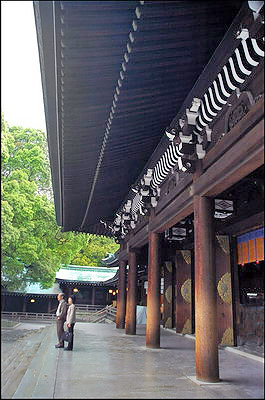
point(71, 273)
point(85, 274)
point(36, 289)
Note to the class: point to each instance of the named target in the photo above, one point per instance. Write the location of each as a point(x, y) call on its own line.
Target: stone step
point(45, 385)
point(29, 381)
point(14, 376)
point(9, 367)
point(19, 359)
point(11, 353)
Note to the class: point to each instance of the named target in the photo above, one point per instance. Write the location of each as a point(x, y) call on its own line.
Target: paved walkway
point(106, 363)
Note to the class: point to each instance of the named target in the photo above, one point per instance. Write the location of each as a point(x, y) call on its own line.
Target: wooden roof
point(114, 76)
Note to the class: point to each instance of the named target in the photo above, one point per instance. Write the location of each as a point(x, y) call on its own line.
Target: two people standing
point(70, 320)
point(65, 313)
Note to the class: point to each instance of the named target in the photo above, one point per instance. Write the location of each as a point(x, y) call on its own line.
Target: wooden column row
point(121, 296)
point(130, 327)
point(207, 368)
point(126, 309)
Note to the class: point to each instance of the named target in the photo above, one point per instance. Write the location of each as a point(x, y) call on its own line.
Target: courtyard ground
point(107, 363)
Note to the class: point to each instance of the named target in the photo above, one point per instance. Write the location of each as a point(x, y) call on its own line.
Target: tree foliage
point(33, 248)
point(95, 250)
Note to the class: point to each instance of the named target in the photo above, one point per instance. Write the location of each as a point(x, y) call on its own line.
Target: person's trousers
point(60, 330)
point(70, 344)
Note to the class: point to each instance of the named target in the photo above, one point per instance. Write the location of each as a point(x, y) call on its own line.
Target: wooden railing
point(88, 307)
point(108, 312)
point(111, 313)
point(26, 315)
point(86, 314)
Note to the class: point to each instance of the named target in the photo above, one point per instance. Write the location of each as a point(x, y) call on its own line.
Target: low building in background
point(91, 285)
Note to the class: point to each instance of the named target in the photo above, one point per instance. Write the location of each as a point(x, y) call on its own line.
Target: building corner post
point(121, 296)
point(130, 326)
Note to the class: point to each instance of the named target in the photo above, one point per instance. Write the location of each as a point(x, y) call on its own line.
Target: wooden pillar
point(153, 295)
point(93, 295)
point(131, 296)
point(207, 368)
point(121, 297)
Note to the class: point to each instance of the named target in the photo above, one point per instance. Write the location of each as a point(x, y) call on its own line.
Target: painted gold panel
point(186, 290)
point(224, 288)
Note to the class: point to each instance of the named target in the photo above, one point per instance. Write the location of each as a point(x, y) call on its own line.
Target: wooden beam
point(180, 187)
point(255, 114)
point(239, 161)
point(178, 209)
point(139, 239)
point(252, 222)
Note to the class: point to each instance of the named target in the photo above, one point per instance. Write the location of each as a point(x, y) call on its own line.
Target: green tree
point(95, 250)
point(33, 248)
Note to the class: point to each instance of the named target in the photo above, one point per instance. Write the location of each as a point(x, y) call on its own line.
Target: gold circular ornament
point(186, 290)
point(168, 265)
point(187, 327)
point(168, 323)
point(168, 294)
point(227, 339)
point(186, 254)
point(223, 241)
point(224, 288)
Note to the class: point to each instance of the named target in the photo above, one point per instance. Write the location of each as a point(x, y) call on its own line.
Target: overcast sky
point(21, 89)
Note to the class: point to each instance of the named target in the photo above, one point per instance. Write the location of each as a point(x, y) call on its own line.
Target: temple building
point(155, 126)
point(90, 285)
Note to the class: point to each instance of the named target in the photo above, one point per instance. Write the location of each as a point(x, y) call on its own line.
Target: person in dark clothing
point(70, 320)
point(60, 319)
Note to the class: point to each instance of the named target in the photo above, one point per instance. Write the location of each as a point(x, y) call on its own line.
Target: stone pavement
point(19, 344)
point(106, 363)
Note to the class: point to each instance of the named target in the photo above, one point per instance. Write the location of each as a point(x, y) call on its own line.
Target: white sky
point(21, 88)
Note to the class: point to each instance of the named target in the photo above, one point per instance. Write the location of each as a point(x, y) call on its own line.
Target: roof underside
point(172, 44)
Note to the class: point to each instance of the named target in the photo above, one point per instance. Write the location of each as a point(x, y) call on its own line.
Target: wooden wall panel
point(168, 295)
point(224, 291)
point(183, 292)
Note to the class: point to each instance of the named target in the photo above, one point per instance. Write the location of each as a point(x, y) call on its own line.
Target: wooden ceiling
point(147, 54)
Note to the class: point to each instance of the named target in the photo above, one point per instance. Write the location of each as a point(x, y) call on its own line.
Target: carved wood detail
point(237, 111)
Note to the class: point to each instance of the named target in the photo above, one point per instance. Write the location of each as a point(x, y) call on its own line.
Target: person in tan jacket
point(70, 320)
point(60, 319)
